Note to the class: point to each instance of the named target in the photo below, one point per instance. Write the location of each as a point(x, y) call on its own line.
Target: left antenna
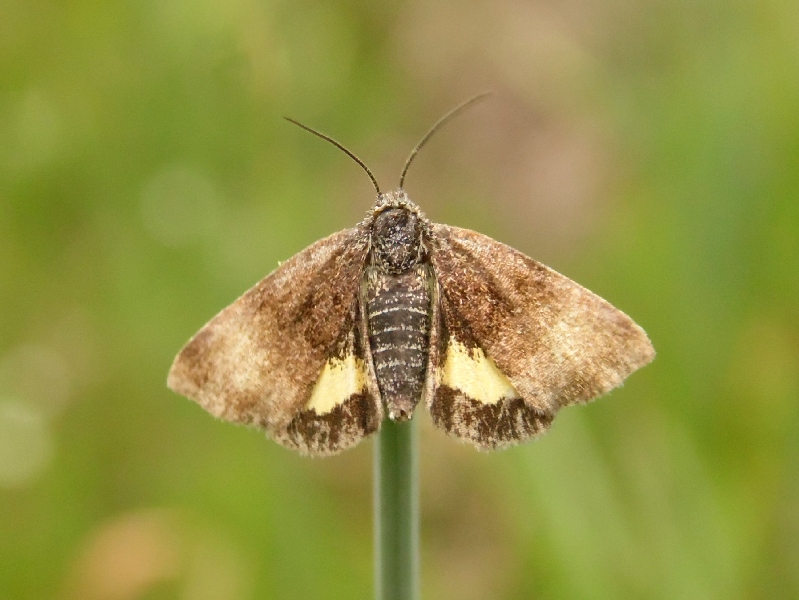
point(340, 147)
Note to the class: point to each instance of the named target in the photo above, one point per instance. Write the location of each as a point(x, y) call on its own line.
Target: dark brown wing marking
point(259, 360)
point(557, 342)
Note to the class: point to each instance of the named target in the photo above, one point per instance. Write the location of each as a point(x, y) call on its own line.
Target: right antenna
point(436, 127)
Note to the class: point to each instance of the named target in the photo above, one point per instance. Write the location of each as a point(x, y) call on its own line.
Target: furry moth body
point(365, 324)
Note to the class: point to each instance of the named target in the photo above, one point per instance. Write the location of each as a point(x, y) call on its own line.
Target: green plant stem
point(396, 494)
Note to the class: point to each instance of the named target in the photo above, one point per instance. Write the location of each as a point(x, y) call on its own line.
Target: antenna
point(436, 127)
point(340, 147)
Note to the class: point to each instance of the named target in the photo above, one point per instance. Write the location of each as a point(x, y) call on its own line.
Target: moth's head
point(396, 231)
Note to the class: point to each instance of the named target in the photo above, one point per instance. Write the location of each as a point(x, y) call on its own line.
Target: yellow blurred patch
point(474, 374)
point(340, 379)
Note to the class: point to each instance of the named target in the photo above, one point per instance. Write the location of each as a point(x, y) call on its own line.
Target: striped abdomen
point(398, 308)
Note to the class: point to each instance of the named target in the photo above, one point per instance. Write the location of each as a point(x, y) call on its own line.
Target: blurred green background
point(649, 150)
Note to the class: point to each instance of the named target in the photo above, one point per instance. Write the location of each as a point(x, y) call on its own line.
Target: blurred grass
point(648, 150)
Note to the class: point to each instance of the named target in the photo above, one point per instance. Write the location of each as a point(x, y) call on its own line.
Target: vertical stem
point(396, 497)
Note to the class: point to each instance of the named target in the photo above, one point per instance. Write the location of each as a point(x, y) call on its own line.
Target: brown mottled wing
point(259, 360)
point(553, 342)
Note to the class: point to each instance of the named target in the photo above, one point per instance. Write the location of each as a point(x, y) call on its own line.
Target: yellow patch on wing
point(475, 374)
point(339, 380)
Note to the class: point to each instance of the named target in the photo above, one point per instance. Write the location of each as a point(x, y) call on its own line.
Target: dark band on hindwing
point(335, 431)
point(487, 426)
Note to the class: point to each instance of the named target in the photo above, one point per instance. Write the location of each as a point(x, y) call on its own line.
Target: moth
point(372, 320)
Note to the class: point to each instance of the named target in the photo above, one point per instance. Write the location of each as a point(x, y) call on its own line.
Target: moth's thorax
point(396, 240)
point(397, 232)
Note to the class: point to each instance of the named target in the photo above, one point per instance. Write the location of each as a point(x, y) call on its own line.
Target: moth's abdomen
point(399, 331)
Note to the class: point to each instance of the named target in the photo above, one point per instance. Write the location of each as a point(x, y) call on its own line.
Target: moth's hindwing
point(342, 408)
point(286, 356)
point(537, 340)
point(473, 399)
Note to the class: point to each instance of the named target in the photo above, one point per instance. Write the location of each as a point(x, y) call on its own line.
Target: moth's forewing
point(535, 339)
point(286, 355)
